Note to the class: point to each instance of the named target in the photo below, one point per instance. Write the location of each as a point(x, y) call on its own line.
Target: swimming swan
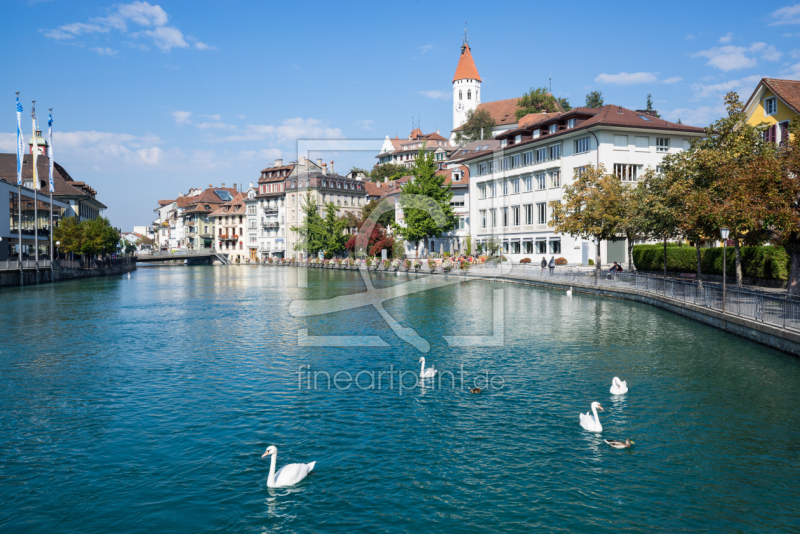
point(426, 373)
point(289, 474)
point(618, 387)
point(592, 424)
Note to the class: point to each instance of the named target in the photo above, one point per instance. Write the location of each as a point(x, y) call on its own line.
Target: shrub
point(591, 261)
point(561, 261)
point(767, 262)
point(525, 260)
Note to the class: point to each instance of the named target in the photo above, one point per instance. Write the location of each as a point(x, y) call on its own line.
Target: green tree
point(359, 169)
point(99, 237)
point(69, 233)
point(130, 248)
point(564, 103)
point(393, 171)
point(660, 210)
point(594, 99)
point(334, 237)
point(311, 233)
point(419, 225)
point(536, 101)
point(387, 219)
point(650, 105)
point(478, 126)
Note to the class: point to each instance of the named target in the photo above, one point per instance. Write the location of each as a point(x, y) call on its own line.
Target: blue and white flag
point(50, 140)
point(19, 142)
point(35, 151)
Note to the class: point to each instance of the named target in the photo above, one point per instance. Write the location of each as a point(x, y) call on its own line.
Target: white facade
point(466, 97)
point(512, 188)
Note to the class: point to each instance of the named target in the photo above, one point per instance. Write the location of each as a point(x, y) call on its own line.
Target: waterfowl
point(129, 276)
point(619, 444)
point(618, 387)
point(430, 372)
point(475, 390)
point(592, 424)
point(569, 291)
point(289, 474)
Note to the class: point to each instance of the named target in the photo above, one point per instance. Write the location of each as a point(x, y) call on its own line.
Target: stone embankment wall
point(11, 278)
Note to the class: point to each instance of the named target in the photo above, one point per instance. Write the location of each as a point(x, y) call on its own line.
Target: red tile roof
point(786, 90)
point(466, 69)
point(448, 176)
point(64, 184)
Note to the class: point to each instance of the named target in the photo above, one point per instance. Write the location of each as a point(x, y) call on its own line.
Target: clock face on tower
point(460, 106)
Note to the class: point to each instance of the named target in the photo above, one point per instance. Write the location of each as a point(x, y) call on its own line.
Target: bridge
point(191, 256)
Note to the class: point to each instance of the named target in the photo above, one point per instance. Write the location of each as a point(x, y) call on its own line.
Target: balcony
point(271, 211)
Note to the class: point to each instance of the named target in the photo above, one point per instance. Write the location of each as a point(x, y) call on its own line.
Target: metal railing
point(97, 263)
point(775, 309)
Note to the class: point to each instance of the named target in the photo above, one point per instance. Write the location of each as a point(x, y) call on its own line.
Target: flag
point(35, 146)
point(50, 140)
point(19, 142)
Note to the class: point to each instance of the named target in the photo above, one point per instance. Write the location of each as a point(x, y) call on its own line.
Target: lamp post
point(724, 232)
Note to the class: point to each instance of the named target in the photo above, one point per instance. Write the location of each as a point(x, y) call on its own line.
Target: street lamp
point(724, 232)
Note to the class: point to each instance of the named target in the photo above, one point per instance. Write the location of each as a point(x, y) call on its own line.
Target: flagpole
point(35, 190)
point(50, 153)
point(20, 158)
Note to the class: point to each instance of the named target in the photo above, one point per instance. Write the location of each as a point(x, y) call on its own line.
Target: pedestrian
point(552, 264)
point(544, 264)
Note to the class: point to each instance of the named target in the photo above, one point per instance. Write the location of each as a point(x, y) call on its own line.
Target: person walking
point(544, 264)
point(552, 264)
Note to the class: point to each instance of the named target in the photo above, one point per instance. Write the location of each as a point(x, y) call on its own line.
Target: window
point(644, 118)
point(770, 106)
point(771, 134)
point(621, 141)
point(528, 180)
point(541, 155)
point(577, 172)
point(527, 158)
point(662, 144)
point(518, 138)
point(514, 215)
point(582, 145)
point(541, 246)
point(482, 191)
point(469, 94)
point(555, 246)
point(482, 168)
point(504, 214)
point(571, 124)
point(515, 186)
point(555, 151)
point(457, 200)
point(459, 94)
point(536, 133)
point(493, 212)
point(504, 143)
point(515, 161)
point(504, 164)
point(553, 128)
point(515, 247)
point(527, 247)
point(253, 237)
point(626, 172)
point(461, 223)
point(540, 182)
point(528, 213)
point(642, 142)
point(492, 190)
point(555, 178)
point(541, 213)
point(483, 218)
point(784, 127)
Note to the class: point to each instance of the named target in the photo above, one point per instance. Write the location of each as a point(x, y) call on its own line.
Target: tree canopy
point(537, 100)
point(649, 105)
point(479, 123)
point(393, 171)
point(564, 103)
point(91, 236)
point(594, 99)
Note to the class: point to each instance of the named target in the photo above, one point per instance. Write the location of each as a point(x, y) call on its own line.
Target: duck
point(618, 387)
point(619, 444)
point(592, 424)
point(289, 474)
point(569, 291)
point(475, 390)
point(430, 372)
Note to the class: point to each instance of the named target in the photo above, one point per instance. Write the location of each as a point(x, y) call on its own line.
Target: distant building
point(404, 151)
point(773, 105)
point(229, 224)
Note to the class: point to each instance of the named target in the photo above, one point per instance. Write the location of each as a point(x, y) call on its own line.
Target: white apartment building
point(511, 187)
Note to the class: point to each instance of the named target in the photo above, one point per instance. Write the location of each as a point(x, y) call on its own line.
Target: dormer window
point(570, 124)
point(504, 143)
point(553, 128)
point(536, 133)
point(518, 138)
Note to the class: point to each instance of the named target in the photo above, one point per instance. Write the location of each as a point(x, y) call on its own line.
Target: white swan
point(618, 387)
point(289, 474)
point(426, 373)
point(569, 291)
point(592, 424)
point(129, 276)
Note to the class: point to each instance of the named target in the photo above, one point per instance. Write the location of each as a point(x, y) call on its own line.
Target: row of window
point(512, 186)
point(469, 94)
point(642, 142)
point(540, 246)
point(510, 216)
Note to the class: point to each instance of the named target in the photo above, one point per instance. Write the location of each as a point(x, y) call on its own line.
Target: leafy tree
point(359, 169)
point(419, 225)
point(679, 121)
point(393, 171)
point(479, 123)
point(650, 105)
point(536, 101)
point(564, 103)
point(334, 237)
point(70, 234)
point(130, 248)
point(99, 237)
point(593, 207)
point(311, 233)
point(594, 99)
point(386, 219)
point(660, 210)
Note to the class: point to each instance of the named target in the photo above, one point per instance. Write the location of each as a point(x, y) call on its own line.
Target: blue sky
point(154, 98)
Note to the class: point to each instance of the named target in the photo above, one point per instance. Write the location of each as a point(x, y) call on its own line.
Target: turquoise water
point(144, 405)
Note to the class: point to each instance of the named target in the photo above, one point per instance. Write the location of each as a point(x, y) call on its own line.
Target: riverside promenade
point(10, 271)
point(763, 316)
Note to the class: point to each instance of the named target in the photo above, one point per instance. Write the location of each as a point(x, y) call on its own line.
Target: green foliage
point(476, 121)
point(385, 220)
point(95, 236)
point(311, 233)
point(591, 261)
point(468, 247)
point(536, 101)
point(564, 103)
point(767, 262)
point(650, 105)
point(69, 233)
point(359, 169)
point(333, 228)
point(594, 99)
point(393, 171)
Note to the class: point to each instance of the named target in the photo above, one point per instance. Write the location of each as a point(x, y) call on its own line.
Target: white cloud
point(149, 156)
point(625, 78)
point(366, 124)
point(690, 37)
point(792, 72)
point(203, 46)
point(264, 153)
point(140, 14)
point(728, 58)
point(701, 116)
point(289, 130)
point(436, 95)
point(182, 117)
point(104, 51)
point(727, 38)
point(425, 48)
point(718, 89)
point(786, 15)
point(214, 125)
point(214, 117)
point(674, 79)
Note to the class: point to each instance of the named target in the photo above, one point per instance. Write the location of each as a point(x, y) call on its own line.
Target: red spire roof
point(466, 69)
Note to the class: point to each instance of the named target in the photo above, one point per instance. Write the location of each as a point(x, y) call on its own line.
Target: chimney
point(251, 185)
point(210, 185)
point(223, 184)
point(302, 161)
point(279, 163)
point(234, 187)
point(319, 162)
point(324, 167)
point(386, 180)
point(332, 167)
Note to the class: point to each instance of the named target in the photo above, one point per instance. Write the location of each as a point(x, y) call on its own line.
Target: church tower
point(466, 86)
